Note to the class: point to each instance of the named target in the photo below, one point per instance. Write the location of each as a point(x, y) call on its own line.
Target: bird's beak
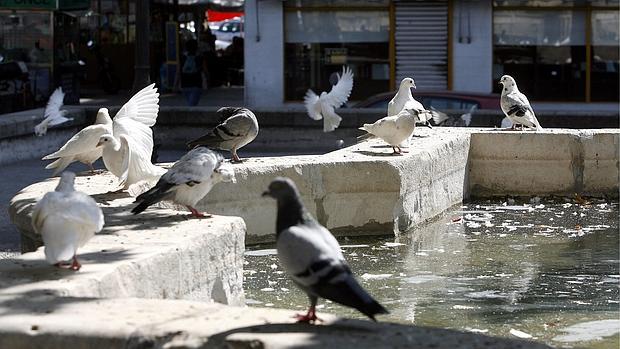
point(266, 193)
point(501, 82)
point(413, 85)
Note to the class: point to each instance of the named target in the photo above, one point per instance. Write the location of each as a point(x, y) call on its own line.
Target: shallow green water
point(547, 269)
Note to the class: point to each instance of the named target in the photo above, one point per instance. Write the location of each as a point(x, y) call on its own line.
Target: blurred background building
point(558, 50)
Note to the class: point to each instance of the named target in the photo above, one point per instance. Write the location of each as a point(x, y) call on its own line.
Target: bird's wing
point(311, 101)
point(382, 127)
point(195, 166)
point(467, 116)
point(340, 92)
point(84, 141)
point(235, 127)
point(413, 104)
point(143, 107)
point(438, 116)
point(54, 103)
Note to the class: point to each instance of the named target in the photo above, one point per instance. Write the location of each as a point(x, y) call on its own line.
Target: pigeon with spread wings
point(53, 115)
point(323, 106)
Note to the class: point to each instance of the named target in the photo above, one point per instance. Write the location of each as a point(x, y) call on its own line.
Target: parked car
point(229, 29)
point(440, 100)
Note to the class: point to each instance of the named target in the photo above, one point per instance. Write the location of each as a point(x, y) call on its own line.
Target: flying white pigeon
point(237, 127)
point(311, 256)
point(187, 181)
point(442, 119)
point(127, 150)
point(395, 129)
point(53, 115)
point(323, 107)
point(66, 219)
point(82, 146)
point(516, 106)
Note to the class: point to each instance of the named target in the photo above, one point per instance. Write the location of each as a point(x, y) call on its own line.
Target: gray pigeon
point(237, 127)
point(311, 256)
point(516, 106)
point(187, 181)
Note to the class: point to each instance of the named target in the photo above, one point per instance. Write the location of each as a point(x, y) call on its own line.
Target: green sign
point(44, 4)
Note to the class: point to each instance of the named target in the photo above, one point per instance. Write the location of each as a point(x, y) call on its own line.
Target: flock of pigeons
point(308, 252)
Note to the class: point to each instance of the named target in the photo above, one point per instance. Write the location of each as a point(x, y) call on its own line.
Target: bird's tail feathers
point(151, 196)
point(59, 164)
point(331, 122)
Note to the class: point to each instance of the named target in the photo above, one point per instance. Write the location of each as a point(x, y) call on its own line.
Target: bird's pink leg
point(235, 157)
point(197, 214)
point(309, 317)
point(92, 169)
point(397, 150)
point(75, 265)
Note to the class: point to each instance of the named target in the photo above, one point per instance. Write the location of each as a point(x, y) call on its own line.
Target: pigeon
point(128, 148)
point(237, 127)
point(53, 115)
point(66, 219)
point(187, 181)
point(82, 146)
point(443, 119)
point(395, 129)
point(516, 106)
point(323, 107)
point(403, 99)
point(311, 256)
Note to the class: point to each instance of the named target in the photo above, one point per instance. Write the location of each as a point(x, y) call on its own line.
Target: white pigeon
point(66, 219)
point(311, 256)
point(403, 99)
point(395, 129)
point(442, 119)
point(323, 107)
point(237, 127)
point(53, 115)
point(82, 146)
point(516, 106)
point(188, 181)
point(127, 150)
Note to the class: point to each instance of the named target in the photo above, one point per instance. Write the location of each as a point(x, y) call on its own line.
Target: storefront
point(558, 50)
point(41, 36)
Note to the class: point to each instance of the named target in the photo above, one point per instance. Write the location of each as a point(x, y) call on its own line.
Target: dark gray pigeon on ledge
point(311, 256)
point(237, 127)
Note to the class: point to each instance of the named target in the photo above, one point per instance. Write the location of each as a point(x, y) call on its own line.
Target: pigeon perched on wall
point(82, 146)
point(53, 115)
point(323, 107)
point(237, 127)
point(442, 119)
point(516, 106)
point(128, 148)
point(394, 130)
point(311, 256)
point(66, 219)
point(403, 99)
point(187, 181)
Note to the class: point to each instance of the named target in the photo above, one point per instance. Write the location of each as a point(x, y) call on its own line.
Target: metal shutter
point(422, 43)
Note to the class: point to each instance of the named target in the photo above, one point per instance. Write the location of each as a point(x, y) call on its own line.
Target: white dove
point(82, 146)
point(403, 99)
point(516, 106)
point(66, 219)
point(442, 119)
point(127, 150)
point(395, 129)
point(323, 107)
point(187, 181)
point(53, 115)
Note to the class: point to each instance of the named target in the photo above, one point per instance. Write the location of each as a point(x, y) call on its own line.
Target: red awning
point(216, 16)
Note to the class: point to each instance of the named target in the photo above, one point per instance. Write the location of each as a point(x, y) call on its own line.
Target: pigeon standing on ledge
point(82, 146)
point(516, 106)
point(394, 130)
point(187, 181)
point(311, 256)
point(66, 219)
point(237, 127)
point(323, 107)
point(53, 115)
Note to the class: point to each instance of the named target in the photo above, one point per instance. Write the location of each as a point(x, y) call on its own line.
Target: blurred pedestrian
point(192, 66)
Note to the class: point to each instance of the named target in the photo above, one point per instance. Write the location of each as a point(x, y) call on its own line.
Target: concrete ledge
point(556, 162)
point(159, 254)
point(46, 322)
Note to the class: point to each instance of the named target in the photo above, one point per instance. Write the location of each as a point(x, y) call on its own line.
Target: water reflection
point(508, 269)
